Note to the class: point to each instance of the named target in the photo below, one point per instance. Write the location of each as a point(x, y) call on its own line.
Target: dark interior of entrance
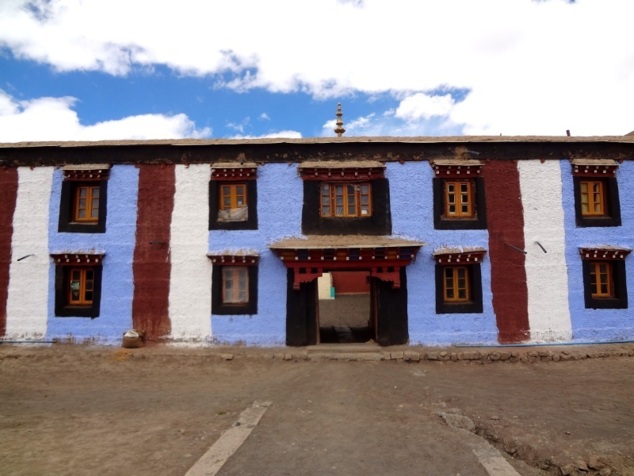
point(345, 313)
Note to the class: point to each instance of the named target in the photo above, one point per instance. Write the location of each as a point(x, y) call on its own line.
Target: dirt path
point(84, 410)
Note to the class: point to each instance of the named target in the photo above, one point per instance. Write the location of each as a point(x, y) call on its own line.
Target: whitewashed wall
point(190, 280)
point(546, 270)
point(27, 300)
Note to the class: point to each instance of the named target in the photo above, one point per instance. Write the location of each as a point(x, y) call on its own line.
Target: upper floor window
point(596, 193)
point(458, 195)
point(345, 197)
point(233, 203)
point(86, 206)
point(83, 199)
point(77, 284)
point(233, 197)
point(604, 277)
point(459, 198)
point(346, 200)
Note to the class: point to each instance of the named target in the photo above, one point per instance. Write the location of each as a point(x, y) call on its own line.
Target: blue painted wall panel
point(280, 196)
point(118, 245)
point(599, 325)
point(411, 197)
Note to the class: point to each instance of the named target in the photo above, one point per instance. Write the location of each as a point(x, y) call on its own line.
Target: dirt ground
point(72, 409)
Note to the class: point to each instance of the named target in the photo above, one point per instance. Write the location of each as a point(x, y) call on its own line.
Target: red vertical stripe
point(8, 196)
point(150, 308)
point(505, 217)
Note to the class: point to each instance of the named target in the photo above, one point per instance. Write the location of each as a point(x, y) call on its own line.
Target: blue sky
point(141, 69)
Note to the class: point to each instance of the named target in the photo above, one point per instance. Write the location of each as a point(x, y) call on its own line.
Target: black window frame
point(62, 308)
point(221, 309)
point(475, 306)
point(252, 205)
point(479, 222)
point(619, 279)
point(378, 223)
point(612, 202)
point(67, 207)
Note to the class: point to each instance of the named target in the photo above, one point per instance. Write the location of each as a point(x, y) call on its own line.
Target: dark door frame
point(302, 309)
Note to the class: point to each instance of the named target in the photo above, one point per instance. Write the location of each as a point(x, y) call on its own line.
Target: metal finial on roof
point(339, 130)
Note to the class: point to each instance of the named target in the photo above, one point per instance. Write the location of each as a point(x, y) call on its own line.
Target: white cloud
point(531, 67)
point(286, 134)
point(423, 106)
point(53, 119)
point(264, 117)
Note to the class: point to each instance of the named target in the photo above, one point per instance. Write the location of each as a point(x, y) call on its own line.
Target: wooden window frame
point(232, 188)
point(69, 220)
point(216, 205)
point(475, 219)
point(460, 200)
point(86, 285)
point(601, 279)
point(472, 303)
point(64, 305)
point(218, 304)
point(88, 203)
point(238, 277)
point(595, 201)
point(611, 213)
point(460, 281)
point(615, 296)
point(328, 195)
point(378, 223)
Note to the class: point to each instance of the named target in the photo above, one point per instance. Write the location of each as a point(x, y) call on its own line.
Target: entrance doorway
point(345, 312)
point(375, 263)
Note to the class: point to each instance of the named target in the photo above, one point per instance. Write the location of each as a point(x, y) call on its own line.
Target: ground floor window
point(234, 285)
point(77, 285)
point(456, 284)
point(458, 281)
point(458, 289)
point(604, 278)
point(81, 286)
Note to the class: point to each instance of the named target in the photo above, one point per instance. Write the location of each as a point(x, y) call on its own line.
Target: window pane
point(75, 285)
point(235, 285)
point(339, 200)
point(449, 293)
point(241, 196)
point(94, 212)
point(351, 199)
